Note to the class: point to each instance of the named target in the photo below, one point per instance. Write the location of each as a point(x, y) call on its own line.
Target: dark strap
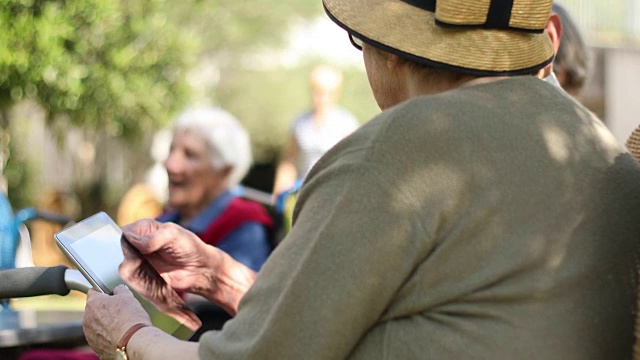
point(499, 14)
point(429, 5)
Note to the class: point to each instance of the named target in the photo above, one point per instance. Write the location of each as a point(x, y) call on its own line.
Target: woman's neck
point(187, 213)
point(439, 85)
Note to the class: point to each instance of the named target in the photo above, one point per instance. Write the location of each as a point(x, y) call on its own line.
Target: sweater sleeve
point(351, 248)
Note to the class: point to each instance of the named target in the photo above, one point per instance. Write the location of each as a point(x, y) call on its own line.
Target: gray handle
point(33, 281)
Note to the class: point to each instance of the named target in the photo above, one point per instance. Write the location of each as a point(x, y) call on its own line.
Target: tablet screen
point(102, 262)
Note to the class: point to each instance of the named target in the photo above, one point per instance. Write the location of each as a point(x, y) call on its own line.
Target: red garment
point(59, 354)
point(238, 212)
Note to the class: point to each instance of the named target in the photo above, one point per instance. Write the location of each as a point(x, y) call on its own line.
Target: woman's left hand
point(108, 317)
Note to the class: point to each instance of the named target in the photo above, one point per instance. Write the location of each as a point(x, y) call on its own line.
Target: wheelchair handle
point(36, 281)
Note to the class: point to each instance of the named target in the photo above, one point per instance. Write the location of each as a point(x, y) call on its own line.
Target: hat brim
point(400, 28)
point(633, 143)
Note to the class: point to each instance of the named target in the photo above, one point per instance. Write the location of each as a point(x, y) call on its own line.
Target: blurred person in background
point(315, 131)
point(572, 62)
point(139, 202)
point(210, 154)
point(571, 65)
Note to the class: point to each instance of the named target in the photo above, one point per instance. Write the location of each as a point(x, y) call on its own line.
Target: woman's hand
point(184, 263)
point(108, 317)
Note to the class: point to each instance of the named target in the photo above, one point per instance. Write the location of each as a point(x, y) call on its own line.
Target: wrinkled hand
point(163, 257)
point(108, 317)
point(148, 283)
point(177, 254)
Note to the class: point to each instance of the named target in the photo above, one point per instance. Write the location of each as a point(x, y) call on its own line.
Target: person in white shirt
point(315, 131)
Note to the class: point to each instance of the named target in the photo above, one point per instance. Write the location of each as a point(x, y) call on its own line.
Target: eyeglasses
point(355, 41)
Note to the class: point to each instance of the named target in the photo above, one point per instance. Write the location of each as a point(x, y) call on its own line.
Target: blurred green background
point(85, 85)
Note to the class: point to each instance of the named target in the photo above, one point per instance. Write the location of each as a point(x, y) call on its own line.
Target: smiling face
point(193, 180)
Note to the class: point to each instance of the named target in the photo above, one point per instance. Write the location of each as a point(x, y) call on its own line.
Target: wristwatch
point(121, 346)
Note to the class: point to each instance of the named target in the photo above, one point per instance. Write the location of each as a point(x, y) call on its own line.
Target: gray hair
point(227, 139)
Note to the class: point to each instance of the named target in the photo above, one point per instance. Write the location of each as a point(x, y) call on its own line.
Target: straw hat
point(479, 37)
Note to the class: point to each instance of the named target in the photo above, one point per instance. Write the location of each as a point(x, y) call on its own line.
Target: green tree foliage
point(230, 28)
point(103, 64)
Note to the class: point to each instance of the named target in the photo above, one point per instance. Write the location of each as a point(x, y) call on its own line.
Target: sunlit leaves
point(106, 64)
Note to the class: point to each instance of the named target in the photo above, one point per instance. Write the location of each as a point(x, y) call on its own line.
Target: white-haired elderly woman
point(210, 154)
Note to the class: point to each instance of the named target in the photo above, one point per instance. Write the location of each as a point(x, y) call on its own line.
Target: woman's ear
point(554, 30)
point(228, 170)
point(225, 171)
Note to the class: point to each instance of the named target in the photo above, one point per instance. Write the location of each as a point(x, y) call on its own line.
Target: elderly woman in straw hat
point(483, 214)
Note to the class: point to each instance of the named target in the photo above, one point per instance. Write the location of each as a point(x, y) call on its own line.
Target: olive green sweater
point(495, 221)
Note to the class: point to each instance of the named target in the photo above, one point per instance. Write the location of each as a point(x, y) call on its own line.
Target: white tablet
point(93, 246)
